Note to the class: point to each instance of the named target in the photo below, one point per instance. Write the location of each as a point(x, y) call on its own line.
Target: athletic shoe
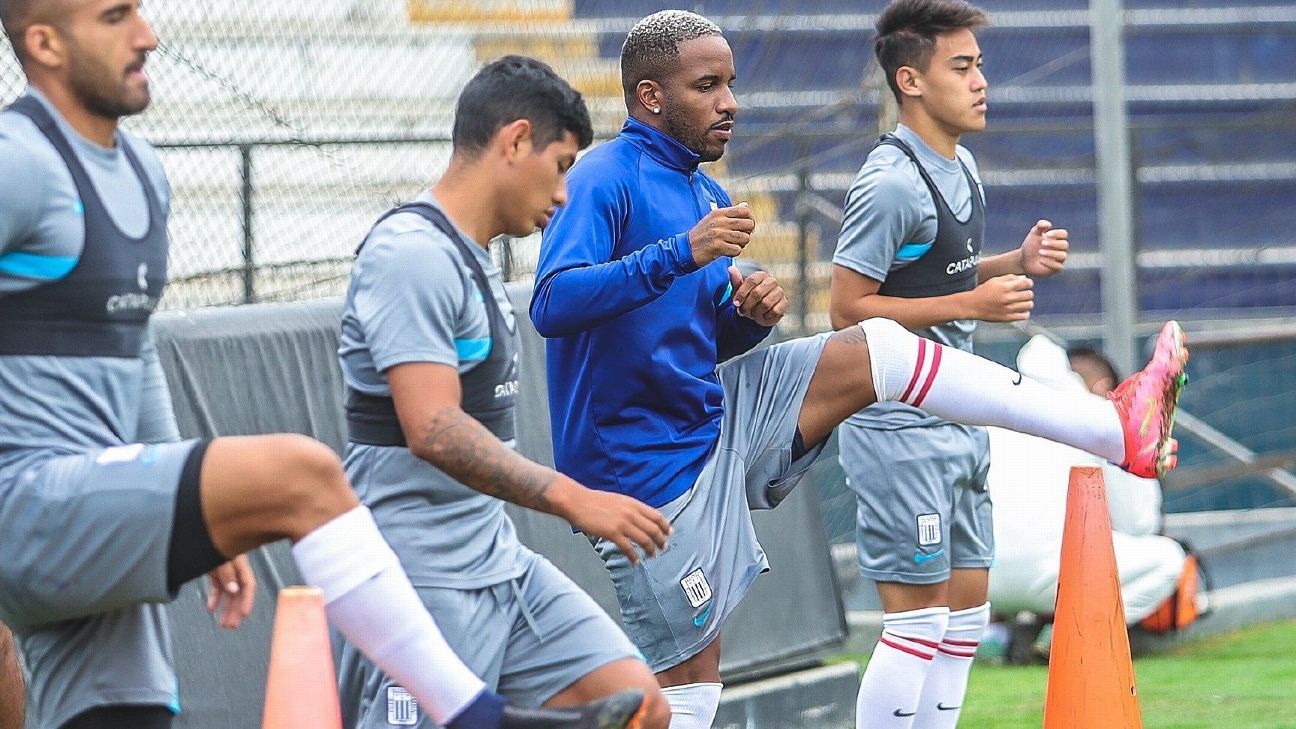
point(1146, 403)
point(622, 710)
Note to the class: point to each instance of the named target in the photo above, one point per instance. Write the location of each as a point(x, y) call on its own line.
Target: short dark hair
point(907, 30)
point(651, 48)
point(517, 87)
point(16, 17)
point(1075, 354)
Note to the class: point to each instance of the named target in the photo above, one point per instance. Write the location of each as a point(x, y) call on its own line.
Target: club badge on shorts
point(402, 707)
point(929, 529)
point(696, 588)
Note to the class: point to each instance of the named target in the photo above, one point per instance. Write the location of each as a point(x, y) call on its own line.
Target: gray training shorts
point(674, 604)
point(528, 638)
point(83, 573)
point(922, 505)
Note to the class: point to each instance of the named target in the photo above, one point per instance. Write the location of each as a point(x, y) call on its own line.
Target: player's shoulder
point(30, 169)
point(408, 240)
point(889, 170)
point(24, 149)
point(604, 175)
point(604, 162)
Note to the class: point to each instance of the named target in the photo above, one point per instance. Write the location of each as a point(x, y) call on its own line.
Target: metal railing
point(247, 197)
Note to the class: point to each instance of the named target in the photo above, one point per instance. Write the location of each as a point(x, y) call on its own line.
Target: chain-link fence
point(287, 127)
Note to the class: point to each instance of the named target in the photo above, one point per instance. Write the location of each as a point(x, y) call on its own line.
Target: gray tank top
point(54, 400)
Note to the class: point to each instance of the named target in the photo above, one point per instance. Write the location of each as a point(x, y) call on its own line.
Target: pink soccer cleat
point(1146, 403)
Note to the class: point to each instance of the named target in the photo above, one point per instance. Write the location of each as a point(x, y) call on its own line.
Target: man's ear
point(514, 139)
point(45, 46)
point(649, 95)
point(907, 80)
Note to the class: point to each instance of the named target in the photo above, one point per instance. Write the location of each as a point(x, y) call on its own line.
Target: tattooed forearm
point(462, 447)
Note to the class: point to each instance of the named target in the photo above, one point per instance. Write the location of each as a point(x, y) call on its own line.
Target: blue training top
point(635, 329)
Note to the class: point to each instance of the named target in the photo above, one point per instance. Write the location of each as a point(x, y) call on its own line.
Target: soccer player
point(104, 512)
point(636, 295)
point(430, 356)
point(910, 250)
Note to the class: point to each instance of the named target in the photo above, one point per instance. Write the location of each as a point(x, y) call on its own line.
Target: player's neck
point(937, 136)
point(653, 121)
point(97, 129)
point(461, 196)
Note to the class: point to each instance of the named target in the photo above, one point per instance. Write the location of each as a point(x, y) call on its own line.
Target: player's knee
point(314, 485)
point(880, 330)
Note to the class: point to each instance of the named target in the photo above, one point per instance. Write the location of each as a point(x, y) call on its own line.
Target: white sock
point(693, 705)
point(897, 670)
point(947, 679)
point(369, 598)
point(962, 387)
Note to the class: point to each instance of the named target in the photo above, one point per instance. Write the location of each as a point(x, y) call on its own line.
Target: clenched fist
point(1044, 251)
point(723, 232)
point(758, 297)
point(1004, 298)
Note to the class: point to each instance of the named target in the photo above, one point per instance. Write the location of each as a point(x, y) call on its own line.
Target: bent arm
point(578, 293)
point(580, 284)
point(427, 397)
point(855, 297)
point(427, 400)
point(1001, 264)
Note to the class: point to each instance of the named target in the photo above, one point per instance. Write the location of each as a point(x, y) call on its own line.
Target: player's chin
point(711, 153)
point(136, 100)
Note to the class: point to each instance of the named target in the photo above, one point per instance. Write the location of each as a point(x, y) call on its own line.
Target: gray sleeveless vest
point(489, 390)
point(951, 264)
point(102, 307)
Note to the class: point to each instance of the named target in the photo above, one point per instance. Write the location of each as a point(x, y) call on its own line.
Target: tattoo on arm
point(462, 447)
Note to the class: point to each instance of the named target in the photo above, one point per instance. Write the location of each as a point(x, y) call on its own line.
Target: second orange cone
point(1091, 677)
point(301, 690)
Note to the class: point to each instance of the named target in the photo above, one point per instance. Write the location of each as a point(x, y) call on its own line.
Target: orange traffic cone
point(301, 690)
point(1091, 678)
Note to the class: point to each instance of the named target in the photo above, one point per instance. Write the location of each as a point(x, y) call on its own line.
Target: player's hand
point(622, 520)
point(723, 232)
point(1044, 251)
point(233, 592)
point(758, 297)
point(1004, 298)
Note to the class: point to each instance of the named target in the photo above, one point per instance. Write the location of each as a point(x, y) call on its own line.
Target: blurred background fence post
point(247, 203)
point(1115, 187)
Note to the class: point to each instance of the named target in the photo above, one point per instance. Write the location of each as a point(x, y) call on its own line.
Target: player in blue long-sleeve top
point(638, 298)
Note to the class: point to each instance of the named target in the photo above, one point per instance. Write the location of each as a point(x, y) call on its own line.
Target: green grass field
point(1244, 680)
